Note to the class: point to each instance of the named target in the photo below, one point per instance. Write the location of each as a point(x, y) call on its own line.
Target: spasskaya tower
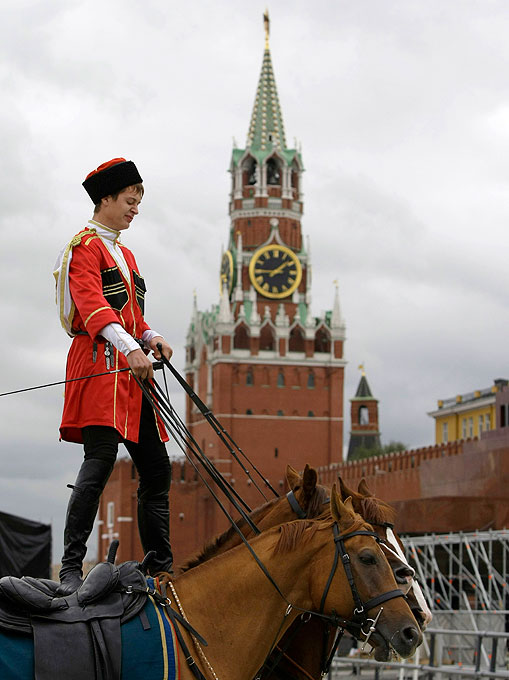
point(270, 370)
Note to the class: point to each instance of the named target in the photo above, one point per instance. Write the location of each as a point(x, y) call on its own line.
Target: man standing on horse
point(100, 297)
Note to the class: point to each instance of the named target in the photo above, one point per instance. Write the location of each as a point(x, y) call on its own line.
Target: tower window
point(276, 453)
point(249, 377)
point(281, 379)
point(280, 413)
point(322, 341)
point(249, 412)
point(311, 414)
point(241, 338)
point(267, 340)
point(445, 432)
point(363, 415)
point(311, 379)
point(110, 514)
point(273, 174)
point(296, 341)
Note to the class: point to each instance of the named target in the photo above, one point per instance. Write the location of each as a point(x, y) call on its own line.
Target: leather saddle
point(76, 636)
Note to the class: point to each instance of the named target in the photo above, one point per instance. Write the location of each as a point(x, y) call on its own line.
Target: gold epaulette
point(76, 240)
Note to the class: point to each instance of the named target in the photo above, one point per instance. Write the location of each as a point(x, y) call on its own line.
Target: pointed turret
point(266, 130)
point(365, 433)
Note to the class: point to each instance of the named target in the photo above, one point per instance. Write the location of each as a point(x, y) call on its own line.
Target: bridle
point(360, 622)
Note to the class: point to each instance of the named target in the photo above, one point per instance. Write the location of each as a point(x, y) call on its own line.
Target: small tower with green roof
point(365, 432)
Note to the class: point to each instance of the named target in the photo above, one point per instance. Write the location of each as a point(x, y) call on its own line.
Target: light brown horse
point(296, 657)
point(230, 601)
point(304, 656)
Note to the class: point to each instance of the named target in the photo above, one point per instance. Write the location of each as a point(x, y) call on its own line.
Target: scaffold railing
point(462, 571)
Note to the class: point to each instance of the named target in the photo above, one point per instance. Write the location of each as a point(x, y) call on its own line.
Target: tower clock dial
point(226, 271)
point(275, 271)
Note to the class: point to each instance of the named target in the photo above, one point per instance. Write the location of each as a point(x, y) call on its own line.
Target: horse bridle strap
point(360, 606)
point(294, 504)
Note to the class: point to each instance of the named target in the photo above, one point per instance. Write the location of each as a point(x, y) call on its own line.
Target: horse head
point(379, 607)
point(381, 516)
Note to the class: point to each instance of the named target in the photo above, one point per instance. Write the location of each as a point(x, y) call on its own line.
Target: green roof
point(363, 390)
point(266, 130)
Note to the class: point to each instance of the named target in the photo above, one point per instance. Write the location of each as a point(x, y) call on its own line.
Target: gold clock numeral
point(259, 279)
point(266, 287)
point(275, 289)
point(291, 281)
point(293, 272)
point(284, 287)
point(275, 253)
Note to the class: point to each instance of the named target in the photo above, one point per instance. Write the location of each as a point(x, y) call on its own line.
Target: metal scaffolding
point(463, 571)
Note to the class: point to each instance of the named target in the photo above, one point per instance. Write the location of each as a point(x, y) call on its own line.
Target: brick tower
point(365, 431)
point(270, 371)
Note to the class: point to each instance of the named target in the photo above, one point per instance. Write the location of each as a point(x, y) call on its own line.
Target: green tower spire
point(266, 130)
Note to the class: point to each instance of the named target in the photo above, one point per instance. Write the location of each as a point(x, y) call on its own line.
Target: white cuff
point(148, 335)
point(120, 338)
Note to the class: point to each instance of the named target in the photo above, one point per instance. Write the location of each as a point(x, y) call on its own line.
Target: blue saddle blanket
point(152, 653)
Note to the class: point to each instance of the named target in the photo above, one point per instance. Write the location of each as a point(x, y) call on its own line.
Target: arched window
point(363, 415)
point(249, 172)
point(280, 413)
point(280, 379)
point(267, 338)
point(273, 172)
point(311, 414)
point(241, 338)
point(296, 341)
point(311, 379)
point(249, 377)
point(249, 412)
point(322, 341)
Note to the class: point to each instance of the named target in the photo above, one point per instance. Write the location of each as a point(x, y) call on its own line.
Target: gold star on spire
point(266, 23)
point(361, 368)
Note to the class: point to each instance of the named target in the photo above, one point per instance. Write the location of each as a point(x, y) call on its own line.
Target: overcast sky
point(402, 110)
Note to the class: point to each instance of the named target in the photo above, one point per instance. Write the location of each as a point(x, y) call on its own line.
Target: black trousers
point(154, 470)
point(148, 455)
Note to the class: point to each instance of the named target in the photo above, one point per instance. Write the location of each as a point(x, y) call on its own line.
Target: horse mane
point(315, 509)
point(377, 511)
point(212, 548)
point(299, 531)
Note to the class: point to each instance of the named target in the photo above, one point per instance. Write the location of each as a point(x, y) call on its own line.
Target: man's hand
point(167, 350)
point(140, 364)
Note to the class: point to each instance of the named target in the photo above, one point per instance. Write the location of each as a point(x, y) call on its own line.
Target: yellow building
point(466, 415)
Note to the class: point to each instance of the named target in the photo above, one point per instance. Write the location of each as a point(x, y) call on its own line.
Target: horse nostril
point(403, 574)
point(410, 634)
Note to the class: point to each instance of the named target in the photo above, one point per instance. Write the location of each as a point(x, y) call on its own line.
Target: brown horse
point(305, 655)
point(295, 656)
point(243, 619)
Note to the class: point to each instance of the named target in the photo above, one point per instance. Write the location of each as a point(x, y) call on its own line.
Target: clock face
point(275, 271)
point(226, 272)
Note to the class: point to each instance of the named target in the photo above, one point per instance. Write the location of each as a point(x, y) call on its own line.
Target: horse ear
point(292, 477)
point(363, 488)
point(309, 480)
point(341, 512)
point(345, 491)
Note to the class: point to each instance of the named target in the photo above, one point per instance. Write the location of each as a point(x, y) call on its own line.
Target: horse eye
point(367, 558)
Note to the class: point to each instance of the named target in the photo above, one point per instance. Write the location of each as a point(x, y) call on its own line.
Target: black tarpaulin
point(25, 547)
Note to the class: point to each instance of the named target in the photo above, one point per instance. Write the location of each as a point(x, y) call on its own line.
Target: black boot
point(154, 528)
point(81, 512)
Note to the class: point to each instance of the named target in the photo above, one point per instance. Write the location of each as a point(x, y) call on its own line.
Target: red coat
point(101, 295)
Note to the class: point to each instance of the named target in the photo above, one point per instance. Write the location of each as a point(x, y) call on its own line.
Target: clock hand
point(279, 269)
